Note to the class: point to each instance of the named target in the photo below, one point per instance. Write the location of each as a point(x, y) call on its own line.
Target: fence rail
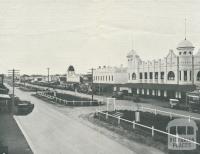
point(148, 127)
point(66, 101)
point(156, 111)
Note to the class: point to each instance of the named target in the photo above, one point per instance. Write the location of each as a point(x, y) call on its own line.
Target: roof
point(131, 53)
point(185, 44)
point(182, 122)
point(71, 68)
point(4, 96)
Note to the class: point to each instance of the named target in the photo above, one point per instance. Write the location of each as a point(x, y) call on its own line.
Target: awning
point(4, 96)
point(171, 87)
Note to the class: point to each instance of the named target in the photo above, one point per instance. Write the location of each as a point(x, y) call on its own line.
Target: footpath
point(11, 138)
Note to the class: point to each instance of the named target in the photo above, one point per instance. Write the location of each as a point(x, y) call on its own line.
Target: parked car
point(118, 95)
point(24, 107)
point(174, 103)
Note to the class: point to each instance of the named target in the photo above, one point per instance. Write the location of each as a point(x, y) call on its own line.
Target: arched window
point(171, 75)
point(133, 76)
point(198, 76)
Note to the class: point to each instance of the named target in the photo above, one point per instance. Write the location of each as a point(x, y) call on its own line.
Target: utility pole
point(92, 69)
point(48, 74)
point(13, 74)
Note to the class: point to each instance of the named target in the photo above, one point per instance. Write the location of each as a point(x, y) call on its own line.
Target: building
point(71, 76)
point(109, 79)
point(169, 77)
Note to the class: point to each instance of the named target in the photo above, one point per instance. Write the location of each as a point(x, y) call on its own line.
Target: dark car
point(24, 107)
point(118, 95)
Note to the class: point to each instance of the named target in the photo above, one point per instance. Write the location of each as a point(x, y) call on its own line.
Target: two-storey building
point(169, 77)
point(108, 79)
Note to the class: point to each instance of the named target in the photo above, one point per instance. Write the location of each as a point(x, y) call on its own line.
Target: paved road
point(50, 131)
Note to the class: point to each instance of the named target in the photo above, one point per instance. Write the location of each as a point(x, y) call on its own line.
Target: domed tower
point(70, 70)
point(185, 47)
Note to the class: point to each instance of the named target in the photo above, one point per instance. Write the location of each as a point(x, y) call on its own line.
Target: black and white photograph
point(99, 77)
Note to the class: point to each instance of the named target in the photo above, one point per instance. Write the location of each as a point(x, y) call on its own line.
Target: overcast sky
point(36, 34)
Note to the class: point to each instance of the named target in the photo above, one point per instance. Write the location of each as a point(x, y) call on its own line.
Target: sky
point(36, 34)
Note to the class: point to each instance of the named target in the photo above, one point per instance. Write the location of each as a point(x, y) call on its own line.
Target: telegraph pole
point(48, 74)
point(13, 73)
point(92, 69)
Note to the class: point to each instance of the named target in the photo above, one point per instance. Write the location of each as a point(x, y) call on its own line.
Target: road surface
point(51, 129)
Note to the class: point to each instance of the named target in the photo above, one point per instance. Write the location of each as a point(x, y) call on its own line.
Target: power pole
point(92, 69)
point(13, 73)
point(48, 74)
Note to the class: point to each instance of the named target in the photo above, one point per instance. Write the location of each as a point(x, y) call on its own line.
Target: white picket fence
point(153, 130)
point(66, 102)
point(156, 111)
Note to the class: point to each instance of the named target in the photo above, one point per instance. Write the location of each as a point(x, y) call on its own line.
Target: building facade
point(71, 76)
point(169, 77)
point(109, 78)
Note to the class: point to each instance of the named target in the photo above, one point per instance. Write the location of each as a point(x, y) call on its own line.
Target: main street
point(51, 129)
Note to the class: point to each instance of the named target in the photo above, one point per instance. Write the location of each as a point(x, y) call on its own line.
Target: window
point(151, 75)
point(190, 130)
point(129, 76)
point(145, 75)
point(109, 78)
point(140, 75)
point(133, 76)
point(185, 75)
point(112, 77)
point(179, 53)
point(156, 75)
point(190, 75)
point(190, 52)
point(198, 76)
point(180, 75)
point(162, 75)
point(106, 78)
point(173, 130)
point(181, 130)
point(171, 75)
point(185, 53)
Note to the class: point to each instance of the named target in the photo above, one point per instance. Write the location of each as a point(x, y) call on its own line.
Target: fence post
point(106, 115)
point(155, 111)
point(152, 131)
point(118, 120)
point(142, 108)
point(170, 115)
point(133, 124)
